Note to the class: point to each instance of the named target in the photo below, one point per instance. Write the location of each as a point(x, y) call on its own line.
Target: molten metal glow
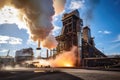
point(63, 63)
point(68, 65)
point(64, 59)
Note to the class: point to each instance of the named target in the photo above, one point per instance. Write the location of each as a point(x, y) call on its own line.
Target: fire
point(68, 65)
point(64, 59)
point(43, 63)
point(64, 63)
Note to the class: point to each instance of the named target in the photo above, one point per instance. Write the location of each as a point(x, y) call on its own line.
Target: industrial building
point(23, 55)
point(74, 34)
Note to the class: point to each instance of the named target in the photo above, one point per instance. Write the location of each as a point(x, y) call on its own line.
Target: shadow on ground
point(22, 75)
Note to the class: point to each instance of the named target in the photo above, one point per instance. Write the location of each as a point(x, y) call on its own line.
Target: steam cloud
point(37, 15)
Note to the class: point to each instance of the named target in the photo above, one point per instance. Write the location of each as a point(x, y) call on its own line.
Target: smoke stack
point(38, 45)
point(47, 53)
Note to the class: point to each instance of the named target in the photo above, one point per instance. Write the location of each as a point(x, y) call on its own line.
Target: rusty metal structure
point(88, 45)
point(70, 34)
point(74, 34)
point(72, 25)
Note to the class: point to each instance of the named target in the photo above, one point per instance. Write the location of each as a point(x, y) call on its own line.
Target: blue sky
point(104, 24)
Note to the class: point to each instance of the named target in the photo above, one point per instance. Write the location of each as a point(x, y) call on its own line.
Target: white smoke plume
point(35, 14)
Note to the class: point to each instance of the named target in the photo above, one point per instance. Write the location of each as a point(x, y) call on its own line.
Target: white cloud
point(3, 50)
point(10, 40)
point(4, 39)
point(107, 32)
point(104, 32)
point(76, 4)
point(31, 42)
point(15, 41)
point(56, 19)
point(118, 39)
point(56, 30)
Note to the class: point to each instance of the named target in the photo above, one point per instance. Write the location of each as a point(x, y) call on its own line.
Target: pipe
point(38, 45)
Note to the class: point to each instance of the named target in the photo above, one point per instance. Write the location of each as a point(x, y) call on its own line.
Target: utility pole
point(8, 52)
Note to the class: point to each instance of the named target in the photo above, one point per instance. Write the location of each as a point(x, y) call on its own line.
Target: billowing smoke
point(49, 42)
point(59, 5)
point(90, 7)
point(37, 16)
point(2, 2)
point(65, 59)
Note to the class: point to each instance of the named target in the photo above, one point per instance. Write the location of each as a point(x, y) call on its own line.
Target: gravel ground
point(58, 74)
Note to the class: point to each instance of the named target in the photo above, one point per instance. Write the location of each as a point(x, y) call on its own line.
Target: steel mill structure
point(74, 34)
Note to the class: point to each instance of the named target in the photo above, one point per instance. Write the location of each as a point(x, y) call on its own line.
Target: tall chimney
point(47, 53)
point(38, 45)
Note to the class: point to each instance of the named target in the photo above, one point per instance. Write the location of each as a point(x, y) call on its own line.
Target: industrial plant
point(75, 34)
point(53, 40)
